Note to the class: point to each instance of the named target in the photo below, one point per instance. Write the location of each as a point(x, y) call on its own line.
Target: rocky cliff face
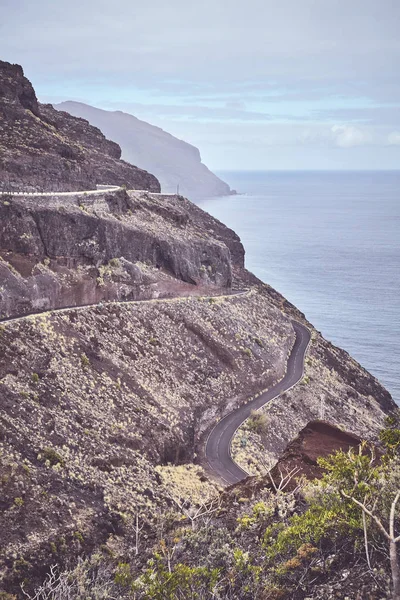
point(42, 149)
point(173, 161)
point(61, 251)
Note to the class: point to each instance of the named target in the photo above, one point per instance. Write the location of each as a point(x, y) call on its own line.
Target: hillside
point(129, 327)
point(105, 407)
point(173, 161)
point(42, 149)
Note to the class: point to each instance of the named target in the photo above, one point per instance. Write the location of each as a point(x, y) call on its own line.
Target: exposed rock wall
point(70, 251)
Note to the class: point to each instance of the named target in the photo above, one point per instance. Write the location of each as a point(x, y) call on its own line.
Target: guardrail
point(100, 190)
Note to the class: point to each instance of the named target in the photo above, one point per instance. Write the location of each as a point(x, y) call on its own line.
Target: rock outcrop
point(42, 149)
point(65, 251)
point(173, 161)
point(317, 440)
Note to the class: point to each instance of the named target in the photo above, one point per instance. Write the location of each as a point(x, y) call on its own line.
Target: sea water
point(330, 243)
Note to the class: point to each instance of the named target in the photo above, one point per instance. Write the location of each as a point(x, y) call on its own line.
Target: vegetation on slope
point(324, 539)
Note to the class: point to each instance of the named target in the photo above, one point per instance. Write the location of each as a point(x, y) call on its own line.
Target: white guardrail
point(100, 190)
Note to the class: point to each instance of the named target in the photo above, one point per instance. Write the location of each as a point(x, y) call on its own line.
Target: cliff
point(173, 161)
point(65, 251)
point(42, 149)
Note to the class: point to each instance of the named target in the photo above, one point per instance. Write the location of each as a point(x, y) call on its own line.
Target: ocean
point(330, 243)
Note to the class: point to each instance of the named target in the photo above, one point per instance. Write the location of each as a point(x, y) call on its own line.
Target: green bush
point(115, 262)
point(257, 422)
point(161, 583)
point(84, 360)
point(51, 455)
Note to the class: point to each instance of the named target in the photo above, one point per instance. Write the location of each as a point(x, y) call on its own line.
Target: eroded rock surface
point(66, 251)
point(43, 149)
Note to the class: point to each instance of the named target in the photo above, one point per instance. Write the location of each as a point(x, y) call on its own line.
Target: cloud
point(302, 77)
point(261, 41)
point(347, 136)
point(394, 138)
point(235, 105)
point(380, 114)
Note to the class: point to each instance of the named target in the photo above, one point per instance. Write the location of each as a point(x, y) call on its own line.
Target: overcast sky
point(255, 84)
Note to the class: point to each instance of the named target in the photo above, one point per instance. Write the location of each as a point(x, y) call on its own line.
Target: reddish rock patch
point(317, 439)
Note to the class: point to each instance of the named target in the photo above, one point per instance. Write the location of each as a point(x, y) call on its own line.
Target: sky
point(255, 84)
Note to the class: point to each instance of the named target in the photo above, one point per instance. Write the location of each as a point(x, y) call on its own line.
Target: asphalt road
point(113, 188)
point(107, 303)
point(219, 441)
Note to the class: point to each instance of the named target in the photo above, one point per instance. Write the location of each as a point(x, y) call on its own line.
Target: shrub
point(183, 581)
point(78, 536)
point(90, 579)
point(51, 455)
point(257, 422)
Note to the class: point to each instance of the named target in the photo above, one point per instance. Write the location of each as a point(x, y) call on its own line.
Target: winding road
point(218, 445)
point(101, 189)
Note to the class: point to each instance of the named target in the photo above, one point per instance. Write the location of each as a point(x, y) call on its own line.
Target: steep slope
point(98, 401)
point(66, 251)
point(42, 149)
point(173, 161)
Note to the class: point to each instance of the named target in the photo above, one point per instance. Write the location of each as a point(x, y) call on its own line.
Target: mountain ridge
point(174, 162)
point(42, 149)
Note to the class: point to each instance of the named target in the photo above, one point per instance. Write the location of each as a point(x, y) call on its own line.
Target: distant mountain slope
point(44, 149)
point(173, 161)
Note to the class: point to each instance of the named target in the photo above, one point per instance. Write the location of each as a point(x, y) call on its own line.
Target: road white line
point(299, 338)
